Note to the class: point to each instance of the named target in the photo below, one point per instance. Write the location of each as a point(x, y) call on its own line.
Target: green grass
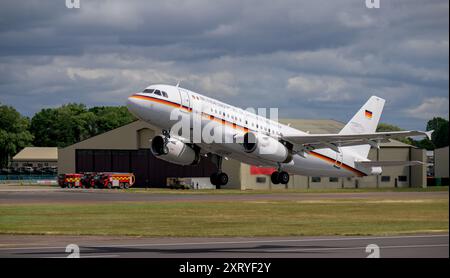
point(237, 218)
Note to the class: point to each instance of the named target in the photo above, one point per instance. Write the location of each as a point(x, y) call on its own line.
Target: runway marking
point(81, 257)
point(301, 250)
point(237, 242)
point(357, 248)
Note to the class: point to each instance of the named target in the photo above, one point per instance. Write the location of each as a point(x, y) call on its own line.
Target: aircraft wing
point(369, 164)
point(318, 141)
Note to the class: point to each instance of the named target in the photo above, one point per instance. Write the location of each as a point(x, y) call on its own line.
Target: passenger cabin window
point(148, 91)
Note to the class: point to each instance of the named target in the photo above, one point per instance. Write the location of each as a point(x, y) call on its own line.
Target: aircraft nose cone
point(132, 104)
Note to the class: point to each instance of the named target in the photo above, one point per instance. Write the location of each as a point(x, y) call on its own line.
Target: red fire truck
point(113, 180)
point(70, 180)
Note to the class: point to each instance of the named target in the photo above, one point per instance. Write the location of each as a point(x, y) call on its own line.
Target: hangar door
point(149, 171)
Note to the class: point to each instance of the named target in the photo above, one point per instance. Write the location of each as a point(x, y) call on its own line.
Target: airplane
point(260, 141)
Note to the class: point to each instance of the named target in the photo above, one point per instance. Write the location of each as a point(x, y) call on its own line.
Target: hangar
point(36, 157)
point(126, 149)
point(441, 164)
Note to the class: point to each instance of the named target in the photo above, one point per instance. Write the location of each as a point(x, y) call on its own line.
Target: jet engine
point(174, 151)
point(266, 147)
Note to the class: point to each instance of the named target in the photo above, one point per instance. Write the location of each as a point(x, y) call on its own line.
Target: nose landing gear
point(219, 178)
point(166, 134)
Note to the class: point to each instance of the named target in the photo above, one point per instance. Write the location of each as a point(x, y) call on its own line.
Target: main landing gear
point(219, 178)
point(279, 177)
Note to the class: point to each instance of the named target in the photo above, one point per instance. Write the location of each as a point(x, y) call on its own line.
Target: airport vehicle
point(70, 180)
point(113, 180)
point(189, 183)
point(257, 140)
point(87, 180)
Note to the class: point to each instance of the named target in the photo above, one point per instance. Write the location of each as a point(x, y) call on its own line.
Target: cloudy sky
point(311, 59)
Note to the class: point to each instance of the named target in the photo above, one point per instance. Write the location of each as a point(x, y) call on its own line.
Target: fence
point(29, 179)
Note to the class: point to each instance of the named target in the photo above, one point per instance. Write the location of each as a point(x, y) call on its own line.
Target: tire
point(109, 185)
point(274, 177)
point(213, 179)
point(126, 185)
point(121, 185)
point(283, 177)
point(222, 179)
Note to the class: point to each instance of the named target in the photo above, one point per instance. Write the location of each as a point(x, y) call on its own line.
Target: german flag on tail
point(368, 114)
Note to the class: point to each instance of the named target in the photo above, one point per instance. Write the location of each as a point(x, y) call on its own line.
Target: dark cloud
point(311, 59)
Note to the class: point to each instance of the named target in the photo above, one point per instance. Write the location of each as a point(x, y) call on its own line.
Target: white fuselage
point(157, 110)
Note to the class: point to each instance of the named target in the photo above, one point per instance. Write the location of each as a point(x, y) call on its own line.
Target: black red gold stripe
point(163, 101)
point(245, 129)
point(334, 162)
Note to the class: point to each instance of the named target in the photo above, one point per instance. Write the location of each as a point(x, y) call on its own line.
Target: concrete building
point(126, 149)
point(441, 162)
point(36, 157)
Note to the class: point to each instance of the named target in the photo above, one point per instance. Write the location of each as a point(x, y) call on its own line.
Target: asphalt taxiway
point(38, 194)
point(404, 246)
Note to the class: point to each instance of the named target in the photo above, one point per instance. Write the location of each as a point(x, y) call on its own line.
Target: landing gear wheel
point(279, 177)
point(283, 177)
point(213, 179)
point(222, 178)
point(274, 177)
point(219, 179)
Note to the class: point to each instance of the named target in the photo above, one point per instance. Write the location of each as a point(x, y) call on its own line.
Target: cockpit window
point(148, 91)
point(157, 92)
point(164, 94)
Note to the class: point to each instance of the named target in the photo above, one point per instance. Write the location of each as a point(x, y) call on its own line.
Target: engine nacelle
point(266, 147)
point(175, 151)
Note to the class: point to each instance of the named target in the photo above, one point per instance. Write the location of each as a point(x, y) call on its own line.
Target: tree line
point(439, 138)
point(73, 122)
point(56, 127)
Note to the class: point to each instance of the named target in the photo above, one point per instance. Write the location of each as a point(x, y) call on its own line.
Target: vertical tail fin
point(365, 121)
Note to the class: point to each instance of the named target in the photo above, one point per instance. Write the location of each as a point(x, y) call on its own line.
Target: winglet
point(428, 134)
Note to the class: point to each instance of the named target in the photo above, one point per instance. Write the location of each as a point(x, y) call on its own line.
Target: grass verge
point(240, 218)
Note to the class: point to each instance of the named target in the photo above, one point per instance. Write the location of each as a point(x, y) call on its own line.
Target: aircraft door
point(185, 101)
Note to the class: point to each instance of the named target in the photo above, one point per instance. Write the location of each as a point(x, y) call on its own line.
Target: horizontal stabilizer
point(368, 164)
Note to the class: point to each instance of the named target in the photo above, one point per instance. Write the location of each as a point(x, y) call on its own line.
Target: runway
point(54, 246)
point(407, 246)
point(37, 194)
